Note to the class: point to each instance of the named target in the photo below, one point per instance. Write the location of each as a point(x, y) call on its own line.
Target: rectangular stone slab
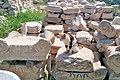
point(24, 48)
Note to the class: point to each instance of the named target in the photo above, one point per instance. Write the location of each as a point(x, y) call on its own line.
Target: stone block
point(56, 29)
point(82, 61)
point(54, 8)
point(102, 44)
point(24, 48)
point(67, 17)
point(71, 10)
point(116, 21)
point(107, 15)
point(49, 14)
point(84, 37)
point(93, 25)
point(53, 20)
point(90, 11)
point(107, 9)
point(89, 6)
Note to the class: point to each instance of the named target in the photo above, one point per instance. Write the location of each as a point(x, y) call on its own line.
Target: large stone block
point(54, 8)
point(107, 9)
point(67, 17)
point(116, 21)
point(56, 29)
point(82, 61)
point(97, 74)
point(53, 19)
point(84, 37)
point(24, 48)
point(107, 15)
point(53, 15)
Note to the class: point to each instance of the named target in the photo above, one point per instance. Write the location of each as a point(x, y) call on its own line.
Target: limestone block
point(68, 22)
point(84, 37)
point(95, 16)
point(33, 27)
point(49, 36)
point(90, 11)
point(102, 44)
point(98, 36)
point(89, 6)
point(56, 29)
point(107, 29)
point(56, 46)
point(67, 17)
point(93, 25)
point(116, 9)
point(107, 9)
point(82, 61)
point(117, 40)
point(53, 15)
point(116, 21)
point(107, 15)
point(112, 55)
point(71, 10)
point(26, 72)
point(100, 4)
point(117, 28)
point(98, 74)
point(24, 48)
point(54, 8)
point(52, 19)
point(79, 23)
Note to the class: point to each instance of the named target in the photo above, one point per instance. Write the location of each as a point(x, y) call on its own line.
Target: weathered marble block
point(107, 15)
point(71, 10)
point(93, 25)
point(53, 15)
point(116, 21)
point(82, 61)
point(67, 17)
point(112, 55)
point(107, 9)
point(53, 19)
point(102, 44)
point(84, 37)
point(25, 72)
point(56, 29)
point(107, 29)
point(24, 48)
point(98, 36)
point(54, 8)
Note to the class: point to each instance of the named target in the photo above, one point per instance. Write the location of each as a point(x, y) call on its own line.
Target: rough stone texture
point(31, 72)
point(54, 8)
point(93, 25)
point(53, 20)
point(84, 37)
point(56, 29)
point(33, 27)
point(102, 44)
point(53, 15)
point(98, 74)
point(112, 56)
point(49, 36)
point(98, 36)
point(116, 9)
point(107, 29)
point(24, 48)
point(79, 23)
point(117, 40)
point(56, 46)
point(66, 17)
point(75, 62)
point(107, 9)
point(116, 21)
point(107, 15)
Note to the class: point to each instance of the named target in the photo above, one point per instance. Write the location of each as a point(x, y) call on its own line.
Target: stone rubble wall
point(65, 12)
point(10, 7)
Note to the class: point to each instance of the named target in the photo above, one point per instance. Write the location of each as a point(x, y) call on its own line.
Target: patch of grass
point(14, 22)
